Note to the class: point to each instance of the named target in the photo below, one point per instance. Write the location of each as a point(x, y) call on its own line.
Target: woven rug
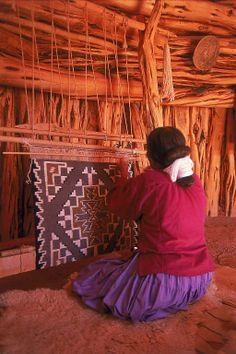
point(72, 219)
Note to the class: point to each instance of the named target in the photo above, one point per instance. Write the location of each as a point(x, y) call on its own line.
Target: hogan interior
point(103, 73)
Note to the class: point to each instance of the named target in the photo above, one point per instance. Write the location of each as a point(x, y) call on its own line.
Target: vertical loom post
point(152, 112)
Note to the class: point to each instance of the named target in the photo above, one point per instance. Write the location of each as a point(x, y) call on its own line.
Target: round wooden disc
point(206, 52)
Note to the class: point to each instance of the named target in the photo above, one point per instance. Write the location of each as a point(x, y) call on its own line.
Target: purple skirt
point(113, 285)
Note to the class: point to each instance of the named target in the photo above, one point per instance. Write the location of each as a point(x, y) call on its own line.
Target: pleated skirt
point(113, 285)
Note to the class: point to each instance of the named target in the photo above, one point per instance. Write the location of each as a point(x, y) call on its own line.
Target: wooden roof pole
point(152, 111)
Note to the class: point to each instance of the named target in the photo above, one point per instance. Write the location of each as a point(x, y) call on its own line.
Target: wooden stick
point(71, 133)
point(135, 151)
point(64, 144)
point(42, 128)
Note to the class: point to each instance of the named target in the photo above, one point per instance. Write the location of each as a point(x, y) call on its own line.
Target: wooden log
point(168, 116)
point(138, 127)
point(104, 116)
point(184, 74)
point(185, 45)
point(10, 28)
point(186, 14)
point(61, 13)
point(181, 120)
point(9, 175)
point(222, 74)
point(70, 134)
point(131, 6)
point(183, 70)
point(200, 11)
point(42, 142)
point(78, 6)
point(228, 177)
point(26, 209)
point(117, 117)
point(204, 97)
point(205, 28)
point(95, 10)
point(213, 160)
point(198, 131)
point(62, 34)
point(13, 26)
point(105, 120)
point(230, 3)
point(90, 122)
point(12, 74)
point(151, 97)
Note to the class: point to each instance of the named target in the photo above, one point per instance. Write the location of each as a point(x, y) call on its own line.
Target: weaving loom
point(72, 216)
point(70, 182)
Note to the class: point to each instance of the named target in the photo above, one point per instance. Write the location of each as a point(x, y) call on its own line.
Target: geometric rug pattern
point(72, 219)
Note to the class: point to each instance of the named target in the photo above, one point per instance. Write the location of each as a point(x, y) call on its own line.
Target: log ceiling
point(65, 45)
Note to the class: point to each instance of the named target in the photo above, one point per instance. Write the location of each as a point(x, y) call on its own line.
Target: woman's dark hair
point(164, 146)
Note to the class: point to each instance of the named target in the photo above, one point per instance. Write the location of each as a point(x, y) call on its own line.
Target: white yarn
point(180, 168)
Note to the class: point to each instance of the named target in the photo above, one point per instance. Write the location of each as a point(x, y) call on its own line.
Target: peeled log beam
point(209, 17)
point(186, 76)
point(148, 70)
point(62, 34)
point(181, 53)
point(184, 73)
point(75, 7)
point(181, 49)
point(12, 74)
point(197, 97)
point(200, 11)
point(130, 6)
point(63, 12)
point(185, 45)
point(96, 38)
point(204, 97)
point(184, 27)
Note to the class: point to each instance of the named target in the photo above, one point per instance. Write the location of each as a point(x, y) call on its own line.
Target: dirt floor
point(48, 318)
point(221, 239)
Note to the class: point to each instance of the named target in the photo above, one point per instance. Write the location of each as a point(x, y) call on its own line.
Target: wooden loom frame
point(72, 134)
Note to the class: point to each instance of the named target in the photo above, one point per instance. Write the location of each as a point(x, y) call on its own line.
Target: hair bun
point(176, 153)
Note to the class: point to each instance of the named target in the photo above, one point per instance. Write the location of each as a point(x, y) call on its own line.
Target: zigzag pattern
point(73, 220)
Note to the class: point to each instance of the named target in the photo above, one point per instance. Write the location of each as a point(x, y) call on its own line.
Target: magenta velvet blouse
point(171, 220)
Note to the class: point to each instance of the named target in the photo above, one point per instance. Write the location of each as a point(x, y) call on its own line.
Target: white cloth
point(180, 168)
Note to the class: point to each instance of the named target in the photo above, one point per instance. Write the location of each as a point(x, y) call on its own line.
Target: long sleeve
point(127, 198)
